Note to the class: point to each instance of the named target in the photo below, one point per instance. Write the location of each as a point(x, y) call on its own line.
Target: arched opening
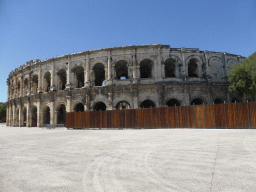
point(172, 102)
point(35, 84)
point(79, 107)
point(47, 81)
point(218, 101)
point(147, 104)
point(46, 116)
point(169, 68)
point(122, 105)
point(99, 73)
point(197, 101)
point(18, 87)
point(26, 85)
point(100, 106)
point(193, 68)
point(79, 73)
point(25, 117)
point(235, 100)
point(146, 68)
point(34, 116)
point(121, 68)
point(62, 79)
point(61, 115)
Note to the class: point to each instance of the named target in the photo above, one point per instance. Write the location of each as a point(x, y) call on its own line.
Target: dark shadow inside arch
point(63, 78)
point(79, 73)
point(169, 68)
point(121, 70)
point(79, 107)
point(61, 116)
point(100, 106)
point(218, 101)
point(47, 78)
point(99, 72)
point(34, 117)
point(172, 102)
point(147, 104)
point(235, 100)
point(46, 116)
point(197, 101)
point(122, 105)
point(192, 68)
point(146, 68)
point(25, 117)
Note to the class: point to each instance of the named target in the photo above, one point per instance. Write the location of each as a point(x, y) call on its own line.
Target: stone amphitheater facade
point(41, 92)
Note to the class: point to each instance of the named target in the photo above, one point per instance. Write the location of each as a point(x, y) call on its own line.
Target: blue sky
point(36, 29)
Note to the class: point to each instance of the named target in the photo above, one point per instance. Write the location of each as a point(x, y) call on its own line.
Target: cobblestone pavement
point(36, 159)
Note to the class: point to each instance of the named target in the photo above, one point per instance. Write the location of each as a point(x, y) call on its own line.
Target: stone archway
point(46, 116)
point(61, 114)
point(197, 101)
point(172, 102)
point(147, 104)
point(100, 106)
point(79, 107)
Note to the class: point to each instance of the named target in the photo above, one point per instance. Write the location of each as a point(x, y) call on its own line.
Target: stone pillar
point(184, 66)
point(159, 71)
point(20, 123)
point(68, 86)
point(38, 113)
point(68, 107)
point(13, 113)
point(87, 72)
point(110, 101)
point(21, 86)
point(29, 84)
point(186, 95)
point(109, 81)
point(52, 77)
point(135, 97)
point(40, 79)
point(29, 117)
point(55, 120)
point(206, 63)
point(135, 68)
point(52, 113)
point(7, 114)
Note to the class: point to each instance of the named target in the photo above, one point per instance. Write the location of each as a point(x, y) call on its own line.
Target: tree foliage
point(243, 77)
point(2, 111)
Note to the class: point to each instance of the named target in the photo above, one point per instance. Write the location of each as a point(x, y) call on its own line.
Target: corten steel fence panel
point(147, 118)
point(84, 120)
point(127, 118)
point(109, 119)
point(189, 116)
point(252, 111)
point(155, 118)
point(220, 116)
point(87, 119)
point(92, 119)
point(199, 116)
point(77, 123)
point(80, 119)
point(133, 117)
point(231, 115)
point(242, 114)
point(121, 118)
point(98, 119)
point(209, 116)
point(171, 117)
point(180, 117)
point(103, 119)
point(68, 122)
point(115, 119)
point(140, 118)
point(163, 117)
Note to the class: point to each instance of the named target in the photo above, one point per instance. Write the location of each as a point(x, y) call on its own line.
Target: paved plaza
point(49, 160)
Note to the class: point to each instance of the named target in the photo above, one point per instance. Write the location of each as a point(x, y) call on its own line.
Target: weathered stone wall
point(77, 78)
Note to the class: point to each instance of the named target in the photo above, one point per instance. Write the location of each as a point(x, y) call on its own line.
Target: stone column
point(55, 120)
point(29, 84)
point(52, 113)
point(40, 79)
point(159, 71)
point(206, 63)
point(13, 113)
point(52, 77)
point(21, 86)
point(186, 95)
point(110, 101)
point(109, 81)
point(135, 67)
point(38, 113)
point(20, 123)
point(184, 67)
point(87, 72)
point(135, 97)
point(68, 107)
point(68, 86)
point(7, 114)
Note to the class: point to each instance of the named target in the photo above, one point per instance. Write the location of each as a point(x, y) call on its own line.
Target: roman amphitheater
point(137, 76)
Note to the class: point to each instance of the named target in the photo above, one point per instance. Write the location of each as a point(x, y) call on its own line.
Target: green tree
point(2, 111)
point(243, 77)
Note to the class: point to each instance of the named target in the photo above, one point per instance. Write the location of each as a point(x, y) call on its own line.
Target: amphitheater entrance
point(121, 70)
point(218, 101)
point(61, 115)
point(62, 79)
point(169, 68)
point(79, 73)
point(122, 105)
point(79, 107)
point(147, 104)
point(197, 101)
point(146, 68)
point(46, 116)
point(100, 106)
point(99, 74)
point(25, 117)
point(34, 116)
point(172, 102)
point(193, 68)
